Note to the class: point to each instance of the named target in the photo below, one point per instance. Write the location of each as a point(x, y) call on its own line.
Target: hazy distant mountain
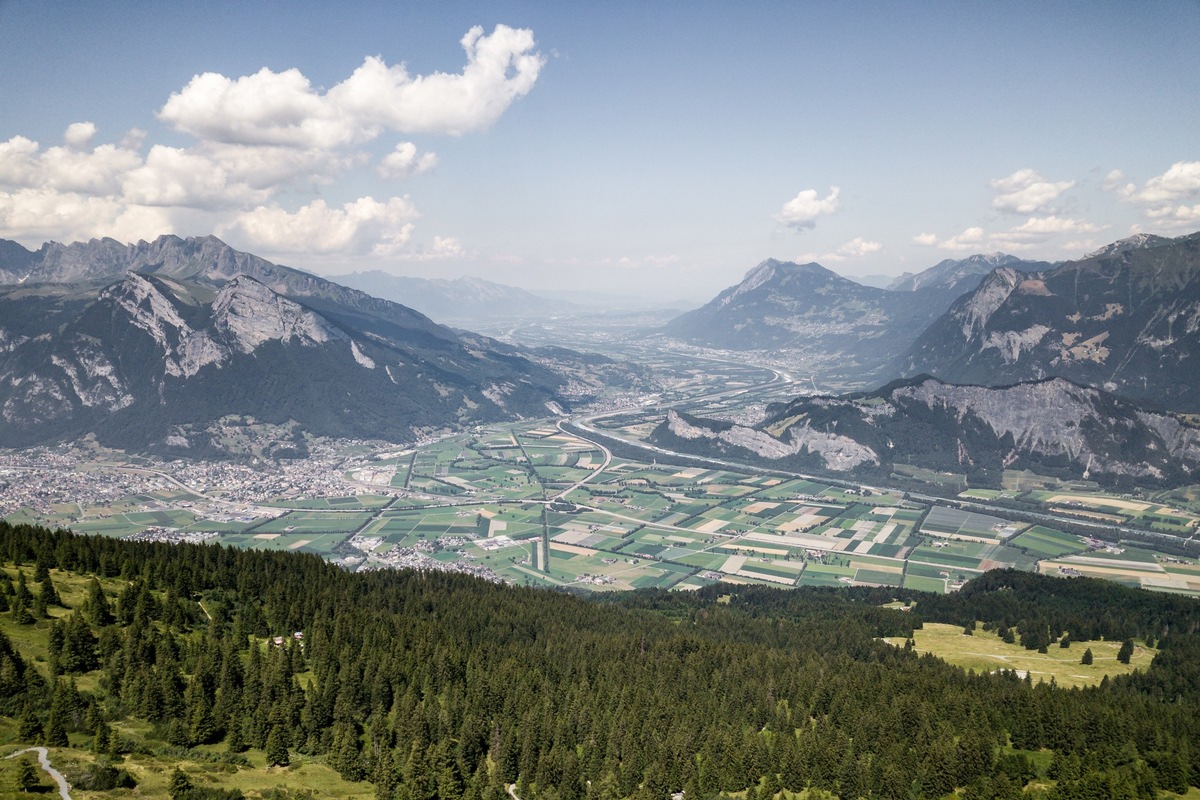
point(1125, 318)
point(809, 309)
point(1053, 426)
point(148, 360)
point(457, 299)
point(955, 277)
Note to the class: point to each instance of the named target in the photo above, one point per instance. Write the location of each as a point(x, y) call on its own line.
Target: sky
point(650, 148)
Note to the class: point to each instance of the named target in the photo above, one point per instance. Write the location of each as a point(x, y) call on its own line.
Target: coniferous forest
point(432, 685)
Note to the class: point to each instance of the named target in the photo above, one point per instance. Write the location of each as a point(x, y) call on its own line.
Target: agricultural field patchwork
point(531, 503)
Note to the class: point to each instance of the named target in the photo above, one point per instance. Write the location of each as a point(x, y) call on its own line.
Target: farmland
point(534, 504)
point(543, 502)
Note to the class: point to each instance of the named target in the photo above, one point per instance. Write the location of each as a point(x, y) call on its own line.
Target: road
point(64, 789)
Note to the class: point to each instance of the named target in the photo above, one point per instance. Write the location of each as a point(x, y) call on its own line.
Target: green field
point(987, 652)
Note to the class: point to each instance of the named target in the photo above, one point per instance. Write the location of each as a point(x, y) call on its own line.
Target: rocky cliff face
point(1053, 425)
point(1125, 318)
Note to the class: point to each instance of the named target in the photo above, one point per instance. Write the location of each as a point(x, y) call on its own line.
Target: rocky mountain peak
point(1139, 241)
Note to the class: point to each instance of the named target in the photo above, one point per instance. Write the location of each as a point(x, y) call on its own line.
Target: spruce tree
point(276, 749)
point(1126, 651)
point(29, 729)
point(27, 776)
point(181, 785)
point(1087, 657)
point(96, 607)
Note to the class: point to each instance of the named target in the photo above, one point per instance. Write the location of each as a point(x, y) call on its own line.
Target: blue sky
point(656, 147)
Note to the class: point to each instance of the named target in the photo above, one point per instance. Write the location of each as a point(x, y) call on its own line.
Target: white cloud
point(1181, 180)
point(801, 211)
point(256, 136)
point(1113, 180)
point(79, 134)
point(1176, 216)
point(403, 162)
point(500, 68)
point(175, 177)
point(270, 167)
point(283, 108)
point(855, 248)
point(1027, 192)
point(443, 247)
point(23, 164)
point(365, 226)
point(39, 214)
point(1029, 234)
point(1164, 198)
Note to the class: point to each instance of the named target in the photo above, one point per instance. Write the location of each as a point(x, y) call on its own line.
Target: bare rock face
point(838, 453)
point(1125, 318)
point(1052, 425)
point(246, 314)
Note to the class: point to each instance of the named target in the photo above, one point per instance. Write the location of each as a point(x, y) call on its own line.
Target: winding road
point(64, 789)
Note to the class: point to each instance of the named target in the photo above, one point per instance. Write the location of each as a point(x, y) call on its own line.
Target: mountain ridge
point(1125, 318)
point(1054, 426)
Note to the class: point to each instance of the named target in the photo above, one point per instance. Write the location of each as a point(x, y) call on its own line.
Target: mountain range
point(1125, 318)
point(844, 329)
point(150, 346)
point(458, 300)
point(1052, 426)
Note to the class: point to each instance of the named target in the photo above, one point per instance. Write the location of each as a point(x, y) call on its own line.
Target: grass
point(987, 652)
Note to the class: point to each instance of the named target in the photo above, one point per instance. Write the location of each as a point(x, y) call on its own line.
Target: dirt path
point(64, 790)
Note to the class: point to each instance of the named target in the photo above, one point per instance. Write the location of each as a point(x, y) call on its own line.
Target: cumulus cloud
point(23, 164)
point(172, 176)
point(443, 247)
point(79, 134)
point(855, 248)
point(284, 109)
point(801, 212)
point(365, 226)
point(1027, 192)
point(43, 214)
point(403, 162)
point(258, 136)
point(1167, 199)
point(1031, 233)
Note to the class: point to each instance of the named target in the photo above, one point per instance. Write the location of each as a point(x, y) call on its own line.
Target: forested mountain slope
point(434, 685)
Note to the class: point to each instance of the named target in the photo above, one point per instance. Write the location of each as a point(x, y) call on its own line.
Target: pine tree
point(28, 727)
point(1087, 657)
point(49, 594)
point(27, 776)
point(276, 749)
point(181, 785)
point(96, 607)
point(22, 602)
point(1126, 651)
point(55, 733)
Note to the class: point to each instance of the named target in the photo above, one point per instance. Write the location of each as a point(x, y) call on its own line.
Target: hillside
point(432, 685)
point(1124, 318)
point(1052, 426)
